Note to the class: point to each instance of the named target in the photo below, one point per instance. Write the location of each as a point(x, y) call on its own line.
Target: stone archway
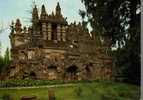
point(32, 75)
point(71, 73)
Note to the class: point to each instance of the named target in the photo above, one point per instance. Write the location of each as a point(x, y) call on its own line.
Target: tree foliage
point(119, 20)
point(4, 60)
point(7, 57)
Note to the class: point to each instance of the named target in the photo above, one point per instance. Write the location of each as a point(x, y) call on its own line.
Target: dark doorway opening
point(32, 75)
point(71, 73)
point(54, 31)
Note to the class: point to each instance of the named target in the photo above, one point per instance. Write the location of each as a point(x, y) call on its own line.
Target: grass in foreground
point(80, 91)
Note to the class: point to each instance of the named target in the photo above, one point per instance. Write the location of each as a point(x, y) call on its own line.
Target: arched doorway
point(33, 75)
point(71, 73)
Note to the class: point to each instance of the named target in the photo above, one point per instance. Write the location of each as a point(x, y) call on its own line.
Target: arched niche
point(32, 75)
point(71, 72)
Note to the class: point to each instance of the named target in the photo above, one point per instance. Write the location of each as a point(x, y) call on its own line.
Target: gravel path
point(46, 86)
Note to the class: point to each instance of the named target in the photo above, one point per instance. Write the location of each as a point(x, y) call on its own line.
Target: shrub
point(6, 97)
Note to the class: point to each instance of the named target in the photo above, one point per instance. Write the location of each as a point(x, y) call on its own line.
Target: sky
point(10, 10)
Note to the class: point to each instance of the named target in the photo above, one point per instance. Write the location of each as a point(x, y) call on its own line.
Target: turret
point(24, 29)
point(35, 16)
point(58, 10)
point(79, 25)
point(52, 14)
point(12, 27)
point(43, 12)
point(18, 26)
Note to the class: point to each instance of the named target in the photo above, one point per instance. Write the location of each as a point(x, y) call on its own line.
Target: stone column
point(44, 31)
point(63, 33)
point(49, 31)
point(59, 33)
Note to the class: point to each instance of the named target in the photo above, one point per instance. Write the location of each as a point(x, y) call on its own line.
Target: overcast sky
point(13, 9)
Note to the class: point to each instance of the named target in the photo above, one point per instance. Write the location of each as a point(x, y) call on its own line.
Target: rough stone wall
point(52, 49)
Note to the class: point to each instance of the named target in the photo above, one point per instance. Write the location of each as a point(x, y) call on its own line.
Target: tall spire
point(43, 12)
point(18, 26)
point(58, 9)
point(35, 16)
point(12, 27)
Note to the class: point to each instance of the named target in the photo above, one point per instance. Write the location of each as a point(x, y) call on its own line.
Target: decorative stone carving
point(49, 31)
point(44, 31)
point(59, 33)
point(63, 33)
point(31, 54)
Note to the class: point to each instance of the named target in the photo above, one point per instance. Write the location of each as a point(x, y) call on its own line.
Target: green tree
point(118, 21)
point(1, 63)
point(7, 57)
point(1, 60)
point(4, 60)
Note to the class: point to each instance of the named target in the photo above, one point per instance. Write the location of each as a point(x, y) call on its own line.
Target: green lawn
point(80, 91)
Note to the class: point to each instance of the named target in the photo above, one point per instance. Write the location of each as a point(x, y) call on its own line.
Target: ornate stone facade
point(52, 49)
